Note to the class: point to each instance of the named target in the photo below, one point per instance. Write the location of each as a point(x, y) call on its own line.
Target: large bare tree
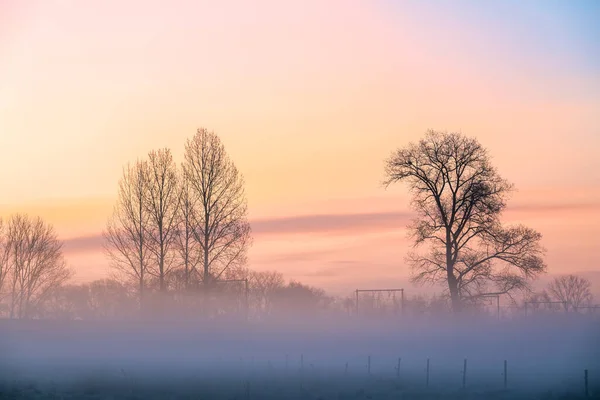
point(36, 263)
point(574, 291)
point(126, 234)
point(459, 197)
point(221, 227)
point(162, 205)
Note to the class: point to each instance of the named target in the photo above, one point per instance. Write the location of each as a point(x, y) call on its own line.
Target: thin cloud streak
point(330, 223)
point(83, 244)
point(589, 206)
point(355, 224)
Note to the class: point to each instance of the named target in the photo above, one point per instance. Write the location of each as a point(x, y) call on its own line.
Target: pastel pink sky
point(309, 98)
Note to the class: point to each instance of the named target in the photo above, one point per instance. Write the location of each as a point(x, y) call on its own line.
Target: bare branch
point(126, 235)
point(459, 198)
point(221, 228)
point(573, 290)
point(36, 263)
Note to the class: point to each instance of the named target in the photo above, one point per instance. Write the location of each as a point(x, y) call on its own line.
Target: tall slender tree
point(126, 234)
point(221, 227)
point(162, 202)
point(459, 198)
point(188, 249)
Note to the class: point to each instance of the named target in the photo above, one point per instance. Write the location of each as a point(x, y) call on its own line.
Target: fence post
point(402, 306)
point(464, 382)
point(505, 375)
point(301, 371)
point(498, 306)
point(585, 376)
point(427, 375)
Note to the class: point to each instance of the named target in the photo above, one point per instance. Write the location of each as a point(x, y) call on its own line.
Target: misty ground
point(300, 359)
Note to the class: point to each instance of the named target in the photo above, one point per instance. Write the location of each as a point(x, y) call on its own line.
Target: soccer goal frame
point(393, 291)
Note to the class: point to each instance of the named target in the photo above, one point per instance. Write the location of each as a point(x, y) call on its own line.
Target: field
point(346, 359)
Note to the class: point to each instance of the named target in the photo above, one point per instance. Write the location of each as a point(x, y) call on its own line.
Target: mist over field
point(542, 353)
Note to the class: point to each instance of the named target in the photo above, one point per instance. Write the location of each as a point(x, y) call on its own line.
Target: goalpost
point(380, 301)
point(491, 297)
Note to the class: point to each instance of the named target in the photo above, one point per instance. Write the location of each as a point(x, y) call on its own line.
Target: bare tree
point(221, 227)
point(263, 287)
point(126, 236)
point(189, 251)
point(299, 299)
point(4, 257)
point(539, 302)
point(110, 299)
point(573, 290)
point(67, 302)
point(162, 204)
point(459, 197)
point(36, 262)
point(99, 299)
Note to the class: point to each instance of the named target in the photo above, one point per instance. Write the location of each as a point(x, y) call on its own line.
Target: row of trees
point(269, 296)
point(34, 284)
point(176, 228)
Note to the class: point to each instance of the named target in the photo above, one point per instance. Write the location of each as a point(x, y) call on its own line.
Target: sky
point(309, 98)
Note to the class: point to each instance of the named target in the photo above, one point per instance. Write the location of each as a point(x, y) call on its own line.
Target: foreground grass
point(274, 387)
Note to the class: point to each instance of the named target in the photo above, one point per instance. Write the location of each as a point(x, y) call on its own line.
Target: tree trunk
point(452, 281)
point(206, 277)
point(454, 295)
point(141, 292)
point(161, 278)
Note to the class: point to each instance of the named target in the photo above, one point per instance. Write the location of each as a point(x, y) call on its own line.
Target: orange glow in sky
point(309, 98)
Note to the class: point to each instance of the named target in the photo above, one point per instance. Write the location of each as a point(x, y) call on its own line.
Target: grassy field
point(274, 387)
point(84, 360)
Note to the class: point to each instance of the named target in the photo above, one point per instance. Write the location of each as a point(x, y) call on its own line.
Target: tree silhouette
point(459, 197)
point(126, 234)
point(573, 290)
point(4, 257)
point(189, 250)
point(162, 202)
point(36, 264)
point(221, 227)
